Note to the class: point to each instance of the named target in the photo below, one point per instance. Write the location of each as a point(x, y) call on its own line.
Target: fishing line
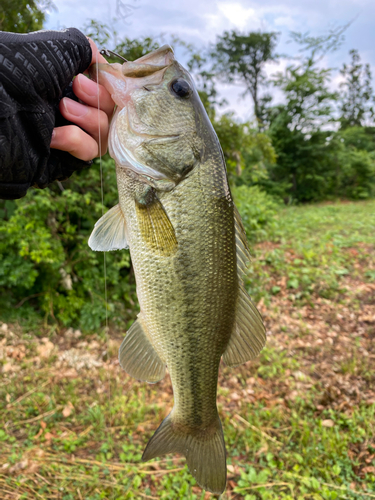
point(102, 191)
point(104, 253)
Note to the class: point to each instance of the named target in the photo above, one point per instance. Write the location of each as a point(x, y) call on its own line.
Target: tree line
point(319, 144)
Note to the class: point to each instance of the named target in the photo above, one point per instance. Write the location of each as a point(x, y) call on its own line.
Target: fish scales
point(190, 338)
point(189, 253)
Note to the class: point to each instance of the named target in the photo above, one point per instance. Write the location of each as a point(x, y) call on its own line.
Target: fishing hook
point(109, 53)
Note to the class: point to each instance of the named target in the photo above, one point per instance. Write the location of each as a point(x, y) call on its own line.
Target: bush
point(257, 209)
point(357, 174)
point(45, 261)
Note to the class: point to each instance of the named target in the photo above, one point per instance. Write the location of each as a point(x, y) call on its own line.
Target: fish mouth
point(163, 56)
point(148, 64)
point(144, 66)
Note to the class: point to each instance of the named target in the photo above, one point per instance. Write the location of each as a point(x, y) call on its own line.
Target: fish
point(189, 252)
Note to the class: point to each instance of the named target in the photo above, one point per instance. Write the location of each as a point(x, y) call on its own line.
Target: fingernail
point(74, 108)
point(87, 86)
point(53, 137)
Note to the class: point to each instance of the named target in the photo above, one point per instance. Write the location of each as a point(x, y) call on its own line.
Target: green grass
point(310, 249)
point(299, 421)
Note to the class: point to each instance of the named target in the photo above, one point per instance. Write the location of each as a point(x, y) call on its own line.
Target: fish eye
point(180, 87)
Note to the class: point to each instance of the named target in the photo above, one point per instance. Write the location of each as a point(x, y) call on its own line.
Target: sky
point(200, 21)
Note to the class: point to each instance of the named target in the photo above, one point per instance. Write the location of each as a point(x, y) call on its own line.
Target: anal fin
point(137, 355)
point(249, 335)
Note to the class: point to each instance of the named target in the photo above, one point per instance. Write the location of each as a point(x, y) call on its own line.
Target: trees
point(298, 128)
point(241, 58)
point(22, 16)
point(314, 162)
point(357, 99)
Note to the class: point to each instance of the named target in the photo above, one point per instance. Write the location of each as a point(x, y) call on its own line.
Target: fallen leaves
point(11, 367)
point(25, 466)
point(68, 409)
point(328, 423)
point(43, 426)
point(46, 348)
point(79, 359)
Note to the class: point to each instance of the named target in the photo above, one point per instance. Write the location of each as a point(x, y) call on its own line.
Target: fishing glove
point(35, 72)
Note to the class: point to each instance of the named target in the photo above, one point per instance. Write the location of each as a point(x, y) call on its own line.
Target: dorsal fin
point(248, 336)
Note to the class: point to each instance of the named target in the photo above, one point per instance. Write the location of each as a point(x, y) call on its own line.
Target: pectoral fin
point(109, 232)
point(156, 228)
point(248, 336)
point(137, 355)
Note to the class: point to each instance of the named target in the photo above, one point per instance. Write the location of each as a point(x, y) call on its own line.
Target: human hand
point(37, 68)
point(84, 144)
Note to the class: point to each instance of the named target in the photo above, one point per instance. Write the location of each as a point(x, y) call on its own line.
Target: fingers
point(94, 122)
point(92, 93)
point(75, 141)
point(96, 56)
point(84, 144)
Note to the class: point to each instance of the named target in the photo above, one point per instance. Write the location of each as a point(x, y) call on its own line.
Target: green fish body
point(189, 253)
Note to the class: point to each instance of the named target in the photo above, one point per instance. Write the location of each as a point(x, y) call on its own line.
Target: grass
point(299, 421)
point(310, 249)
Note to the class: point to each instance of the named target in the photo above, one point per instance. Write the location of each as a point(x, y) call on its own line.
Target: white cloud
point(239, 16)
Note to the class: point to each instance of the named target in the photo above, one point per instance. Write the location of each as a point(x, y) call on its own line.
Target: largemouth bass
point(189, 252)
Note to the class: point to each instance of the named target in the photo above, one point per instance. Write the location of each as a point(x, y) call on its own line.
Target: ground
point(299, 421)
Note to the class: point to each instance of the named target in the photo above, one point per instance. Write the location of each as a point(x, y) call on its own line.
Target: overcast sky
point(200, 21)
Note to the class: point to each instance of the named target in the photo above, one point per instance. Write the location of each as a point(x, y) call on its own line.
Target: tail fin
point(204, 451)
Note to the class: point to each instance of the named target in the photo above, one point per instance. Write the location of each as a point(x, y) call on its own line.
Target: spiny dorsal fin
point(248, 336)
point(109, 232)
point(156, 228)
point(137, 355)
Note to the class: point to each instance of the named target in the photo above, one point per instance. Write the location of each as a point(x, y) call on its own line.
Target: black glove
point(35, 69)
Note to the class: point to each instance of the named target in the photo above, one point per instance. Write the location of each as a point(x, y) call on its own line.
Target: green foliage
point(130, 49)
point(246, 150)
point(22, 16)
point(100, 32)
point(308, 99)
point(300, 173)
point(302, 147)
point(319, 46)
point(45, 261)
point(242, 57)
point(356, 174)
point(313, 162)
point(257, 209)
point(357, 98)
point(361, 138)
